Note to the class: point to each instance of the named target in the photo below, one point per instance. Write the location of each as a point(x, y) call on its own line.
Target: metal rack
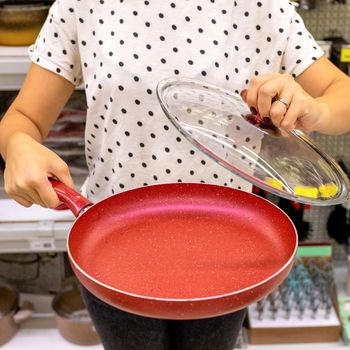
point(328, 18)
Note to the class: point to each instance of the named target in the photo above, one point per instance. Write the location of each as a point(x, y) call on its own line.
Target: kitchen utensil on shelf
point(72, 318)
point(20, 22)
point(10, 312)
point(179, 251)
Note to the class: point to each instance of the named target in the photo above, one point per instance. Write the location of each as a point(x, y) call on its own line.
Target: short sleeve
point(56, 47)
point(302, 49)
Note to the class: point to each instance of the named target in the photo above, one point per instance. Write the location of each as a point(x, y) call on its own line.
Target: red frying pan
point(179, 251)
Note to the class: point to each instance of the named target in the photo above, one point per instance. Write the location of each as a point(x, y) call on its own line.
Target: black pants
point(120, 330)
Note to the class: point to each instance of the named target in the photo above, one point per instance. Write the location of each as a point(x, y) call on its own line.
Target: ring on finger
point(284, 101)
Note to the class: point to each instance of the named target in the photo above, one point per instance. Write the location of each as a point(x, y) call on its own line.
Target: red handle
point(73, 199)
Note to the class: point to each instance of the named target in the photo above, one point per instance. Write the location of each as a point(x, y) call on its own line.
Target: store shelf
point(34, 229)
point(28, 237)
point(49, 338)
point(313, 346)
point(42, 339)
point(14, 64)
point(41, 334)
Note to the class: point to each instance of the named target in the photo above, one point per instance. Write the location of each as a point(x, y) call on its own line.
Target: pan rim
point(174, 300)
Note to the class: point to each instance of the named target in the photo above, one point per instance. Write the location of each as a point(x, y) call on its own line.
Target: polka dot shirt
point(119, 50)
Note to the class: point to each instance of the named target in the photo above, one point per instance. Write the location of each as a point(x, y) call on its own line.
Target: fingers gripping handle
point(73, 199)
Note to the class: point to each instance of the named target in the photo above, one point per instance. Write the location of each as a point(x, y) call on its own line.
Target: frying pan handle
point(73, 199)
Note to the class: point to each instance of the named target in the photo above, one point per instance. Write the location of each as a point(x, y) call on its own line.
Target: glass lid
point(220, 124)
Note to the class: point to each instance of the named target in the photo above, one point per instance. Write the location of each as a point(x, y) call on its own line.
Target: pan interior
point(182, 241)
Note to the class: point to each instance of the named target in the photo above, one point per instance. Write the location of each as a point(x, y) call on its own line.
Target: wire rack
point(328, 19)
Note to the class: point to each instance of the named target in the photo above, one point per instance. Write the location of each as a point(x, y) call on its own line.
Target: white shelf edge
point(14, 64)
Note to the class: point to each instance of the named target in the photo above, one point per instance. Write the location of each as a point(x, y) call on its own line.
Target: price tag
point(345, 54)
point(42, 244)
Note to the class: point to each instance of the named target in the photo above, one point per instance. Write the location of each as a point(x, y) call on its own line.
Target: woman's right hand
point(29, 164)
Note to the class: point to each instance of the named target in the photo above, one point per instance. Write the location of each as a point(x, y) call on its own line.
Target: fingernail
point(253, 110)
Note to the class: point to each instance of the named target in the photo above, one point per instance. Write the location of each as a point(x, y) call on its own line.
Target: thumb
point(61, 172)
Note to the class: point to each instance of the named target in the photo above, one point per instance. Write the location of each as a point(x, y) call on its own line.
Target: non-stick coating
point(182, 242)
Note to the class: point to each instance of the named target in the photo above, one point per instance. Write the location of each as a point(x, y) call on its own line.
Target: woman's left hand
point(281, 98)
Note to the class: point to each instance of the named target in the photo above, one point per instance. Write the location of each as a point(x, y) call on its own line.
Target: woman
point(119, 51)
